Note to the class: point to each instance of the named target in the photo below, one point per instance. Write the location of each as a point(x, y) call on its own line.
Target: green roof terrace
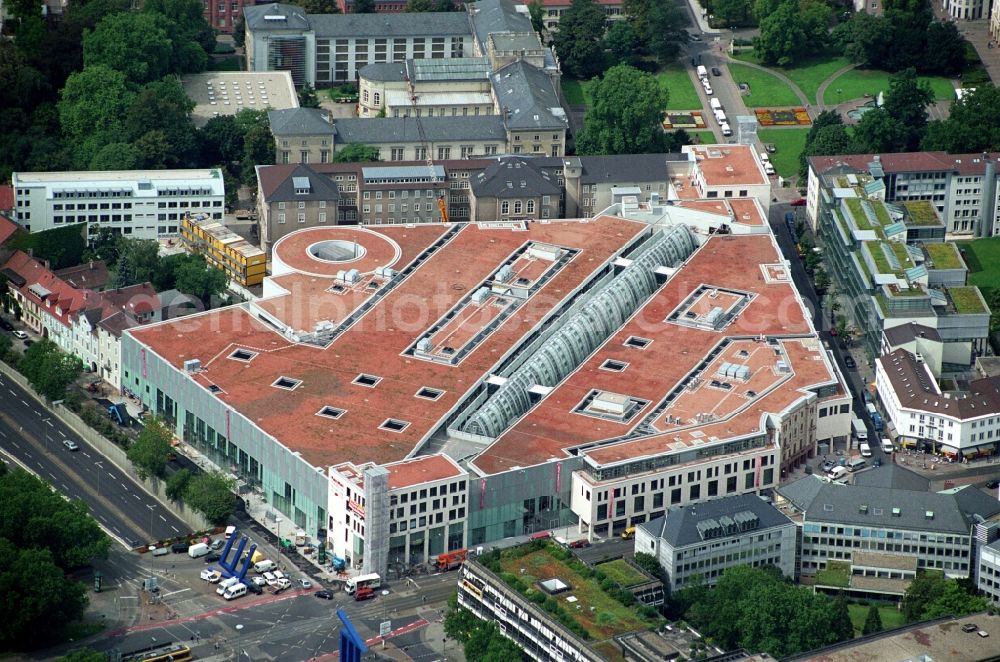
point(944, 255)
point(921, 212)
point(883, 263)
point(967, 300)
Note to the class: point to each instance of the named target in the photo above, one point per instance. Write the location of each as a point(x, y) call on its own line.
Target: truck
point(451, 560)
point(372, 581)
point(877, 422)
point(859, 429)
point(199, 550)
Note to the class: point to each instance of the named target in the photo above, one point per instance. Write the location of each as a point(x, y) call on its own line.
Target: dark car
point(29, 342)
point(800, 202)
point(850, 363)
point(579, 544)
point(993, 484)
point(716, 71)
point(878, 462)
point(326, 595)
point(827, 465)
point(6, 326)
point(970, 627)
point(253, 588)
point(179, 547)
point(212, 558)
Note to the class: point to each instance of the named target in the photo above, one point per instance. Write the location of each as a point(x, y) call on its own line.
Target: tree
point(38, 599)
point(840, 624)
point(150, 451)
point(626, 114)
point(973, 124)
point(536, 13)
point(117, 156)
point(49, 370)
point(944, 53)
point(364, 7)
point(666, 31)
point(873, 621)
point(198, 279)
point(159, 125)
point(357, 153)
point(446, 5)
point(637, 15)
point(307, 97)
point(925, 588)
point(865, 38)
point(211, 494)
point(240, 32)
point(92, 106)
point(319, 7)
point(733, 12)
point(578, 42)
point(84, 655)
point(650, 564)
point(907, 102)
point(32, 515)
point(188, 22)
point(794, 29)
point(107, 246)
point(877, 131)
point(620, 42)
point(177, 484)
point(827, 136)
point(258, 149)
point(135, 43)
point(221, 141)
point(138, 260)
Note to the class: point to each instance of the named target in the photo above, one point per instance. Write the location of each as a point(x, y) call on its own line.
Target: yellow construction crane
point(435, 180)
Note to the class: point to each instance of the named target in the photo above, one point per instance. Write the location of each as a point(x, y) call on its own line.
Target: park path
point(777, 74)
point(821, 90)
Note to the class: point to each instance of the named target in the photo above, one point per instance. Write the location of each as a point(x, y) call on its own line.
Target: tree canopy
point(973, 124)
point(791, 29)
point(625, 117)
point(932, 595)
point(211, 494)
point(49, 370)
point(92, 110)
point(357, 153)
point(151, 450)
point(579, 41)
point(135, 43)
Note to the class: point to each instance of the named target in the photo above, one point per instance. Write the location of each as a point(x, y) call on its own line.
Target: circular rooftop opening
point(337, 250)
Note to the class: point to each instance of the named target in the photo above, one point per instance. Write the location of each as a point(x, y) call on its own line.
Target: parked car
point(716, 71)
point(70, 445)
point(798, 202)
point(364, 593)
point(993, 484)
point(211, 575)
point(324, 594)
point(20, 334)
point(694, 37)
point(770, 148)
point(179, 548)
point(212, 558)
point(259, 581)
point(850, 362)
point(254, 588)
point(29, 342)
point(218, 544)
point(827, 466)
point(305, 583)
point(877, 462)
point(579, 544)
point(970, 627)
point(6, 326)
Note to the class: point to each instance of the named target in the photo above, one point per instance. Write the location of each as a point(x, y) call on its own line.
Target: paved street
point(30, 434)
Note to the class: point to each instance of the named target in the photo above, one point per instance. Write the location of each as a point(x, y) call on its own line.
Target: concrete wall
point(154, 486)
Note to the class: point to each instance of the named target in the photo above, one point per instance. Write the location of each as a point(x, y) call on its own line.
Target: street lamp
point(45, 421)
point(385, 617)
point(100, 469)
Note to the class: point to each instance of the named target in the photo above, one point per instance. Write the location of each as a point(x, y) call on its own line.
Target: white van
point(764, 158)
point(855, 464)
point(715, 104)
point(235, 591)
point(837, 473)
point(720, 117)
point(866, 450)
point(199, 550)
point(860, 431)
point(702, 72)
point(226, 583)
point(230, 530)
point(264, 566)
point(887, 446)
point(726, 131)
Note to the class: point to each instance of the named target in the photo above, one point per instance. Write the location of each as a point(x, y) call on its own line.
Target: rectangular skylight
point(367, 380)
point(286, 383)
point(331, 412)
point(428, 393)
point(637, 342)
point(614, 366)
point(243, 355)
point(394, 425)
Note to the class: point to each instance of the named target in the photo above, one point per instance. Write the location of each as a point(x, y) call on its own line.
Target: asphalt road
point(31, 434)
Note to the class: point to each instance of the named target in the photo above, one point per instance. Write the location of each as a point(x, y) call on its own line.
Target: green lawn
point(621, 572)
point(856, 83)
point(891, 617)
point(683, 96)
point(809, 74)
point(836, 573)
point(789, 143)
point(682, 93)
point(234, 63)
point(707, 137)
point(982, 256)
point(766, 90)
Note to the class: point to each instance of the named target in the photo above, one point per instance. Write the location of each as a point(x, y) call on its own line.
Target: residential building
point(875, 539)
point(91, 275)
point(704, 539)
point(965, 10)
point(961, 188)
point(295, 196)
point(994, 23)
point(141, 204)
point(326, 49)
point(988, 569)
point(381, 6)
point(959, 424)
point(223, 15)
point(890, 268)
point(426, 88)
point(917, 339)
point(242, 262)
point(514, 188)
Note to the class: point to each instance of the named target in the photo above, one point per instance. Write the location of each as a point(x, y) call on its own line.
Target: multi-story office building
point(222, 15)
point(552, 11)
point(988, 570)
point(891, 269)
point(881, 536)
point(242, 262)
point(960, 424)
point(962, 188)
point(141, 204)
point(704, 539)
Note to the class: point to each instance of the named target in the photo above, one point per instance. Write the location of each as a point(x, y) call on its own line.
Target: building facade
point(242, 262)
point(704, 539)
point(141, 204)
point(222, 15)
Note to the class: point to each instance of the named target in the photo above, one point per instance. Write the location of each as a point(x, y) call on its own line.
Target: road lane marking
point(86, 454)
point(62, 433)
point(16, 445)
point(175, 528)
point(3, 434)
point(137, 497)
point(47, 422)
point(12, 393)
point(52, 474)
point(123, 486)
point(25, 404)
point(163, 518)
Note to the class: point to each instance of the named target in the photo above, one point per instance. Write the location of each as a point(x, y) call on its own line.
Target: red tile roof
point(6, 198)
point(376, 343)
point(421, 470)
point(962, 164)
point(7, 228)
point(62, 301)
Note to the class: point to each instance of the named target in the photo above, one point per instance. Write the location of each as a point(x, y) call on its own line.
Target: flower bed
point(782, 117)
point(692, 120)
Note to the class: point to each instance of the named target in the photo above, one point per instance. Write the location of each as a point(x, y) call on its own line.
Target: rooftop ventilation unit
point(480, 295)
point(425, 345)
point(352, 276)
point(192, 365)
point(505, 273)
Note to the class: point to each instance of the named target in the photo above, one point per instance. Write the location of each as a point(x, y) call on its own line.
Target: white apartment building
point(704, 539)
point(142, 204)
point(965, 10)
point(411, 510)
point(988, 572)
point(958, 423)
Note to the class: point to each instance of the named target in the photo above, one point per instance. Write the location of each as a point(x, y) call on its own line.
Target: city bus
point(372, 581)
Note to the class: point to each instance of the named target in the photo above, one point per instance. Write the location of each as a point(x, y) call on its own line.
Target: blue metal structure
point(352, 646)
point(230, 567)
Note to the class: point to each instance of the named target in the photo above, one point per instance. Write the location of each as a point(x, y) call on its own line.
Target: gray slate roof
point(679, 527)
point(320, 187)
point(490, 16)
point(383, 71)
point(627, 167)
point(530, 96)
point(295, 17)
point(405, 130)
point(299, 122)
point(513, 177)
point(421, 24)
point(893, 476)
point(904, 333)
point(842, 504)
